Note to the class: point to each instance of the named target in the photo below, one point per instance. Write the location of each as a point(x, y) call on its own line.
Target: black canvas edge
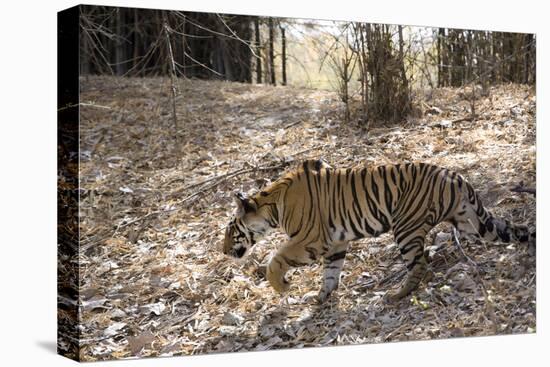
point(68, 238)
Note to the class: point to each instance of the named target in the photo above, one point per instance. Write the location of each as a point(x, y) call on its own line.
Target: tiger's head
point(249, 224)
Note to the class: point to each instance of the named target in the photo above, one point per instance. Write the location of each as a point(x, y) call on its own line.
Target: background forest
point(179, 109)
point(380, 66)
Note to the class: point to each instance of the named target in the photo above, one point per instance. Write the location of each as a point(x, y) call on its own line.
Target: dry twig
point(173, 77)
point(520, 188)
point(477, 275)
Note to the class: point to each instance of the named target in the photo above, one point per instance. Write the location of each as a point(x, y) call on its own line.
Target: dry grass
point(153, 282)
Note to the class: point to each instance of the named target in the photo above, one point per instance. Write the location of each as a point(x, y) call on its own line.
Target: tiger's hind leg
point(412, 252)
point(332, 266)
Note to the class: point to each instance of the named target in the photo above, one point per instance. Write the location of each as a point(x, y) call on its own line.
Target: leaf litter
point(153, 281)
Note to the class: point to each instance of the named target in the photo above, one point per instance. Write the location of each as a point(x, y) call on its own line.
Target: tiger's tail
point(471, 218)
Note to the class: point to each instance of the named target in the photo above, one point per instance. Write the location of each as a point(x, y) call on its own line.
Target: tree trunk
point(402, 59)
point(135, 53)
point(364, 77)
point(441, 71)
point(345, 89)
point(183, 46)
point(271, 52)
point(283, 54)
point(258, 51)
point(119, 46)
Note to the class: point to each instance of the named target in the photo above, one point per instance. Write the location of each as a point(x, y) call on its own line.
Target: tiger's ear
point(315, 165)
point(244, 204)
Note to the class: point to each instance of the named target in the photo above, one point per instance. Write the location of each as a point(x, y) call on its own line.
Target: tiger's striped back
point(347, 204)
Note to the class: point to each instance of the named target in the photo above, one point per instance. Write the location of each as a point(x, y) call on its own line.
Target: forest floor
point(154, 206)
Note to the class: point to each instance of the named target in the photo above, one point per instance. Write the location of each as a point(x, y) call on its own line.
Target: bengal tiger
point(322, 209)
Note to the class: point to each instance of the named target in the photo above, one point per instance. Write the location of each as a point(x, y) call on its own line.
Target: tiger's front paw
point(323, 295)
point(315, 297)
point(311, 297)
point(280, 284)
point(276, 277)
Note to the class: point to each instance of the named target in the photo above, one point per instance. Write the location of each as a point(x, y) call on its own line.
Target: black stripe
point(418, 185)
point(414, 243)
point(311, 200)
point(402, 181)
point(336, 256)
point(392, 175)
point(356, 204)
point(415, 261)
point(387, 193)
point(318, 175)
point(292, 262)
point(374, 187)
point(406, 216)
point(356, 232)
point(318, 164)
point(451, 201)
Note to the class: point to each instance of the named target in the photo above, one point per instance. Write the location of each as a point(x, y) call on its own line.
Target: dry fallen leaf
point(114, 328)
point(155, 308)
point(137, 343)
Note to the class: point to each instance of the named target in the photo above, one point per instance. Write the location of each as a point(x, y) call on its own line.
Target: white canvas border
point(28, 182)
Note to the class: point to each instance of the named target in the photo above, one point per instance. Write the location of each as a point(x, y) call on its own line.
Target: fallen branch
point(287, 161)
point(292, 124)
point(196, 194)
point(217, 181)
point(463, 119)
point(394, 276)
point(457, 244)
point(520, 188)
point(226, 176)
point(197, 184)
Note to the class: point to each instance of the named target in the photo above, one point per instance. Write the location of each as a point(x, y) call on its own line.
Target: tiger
point(321, 209)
